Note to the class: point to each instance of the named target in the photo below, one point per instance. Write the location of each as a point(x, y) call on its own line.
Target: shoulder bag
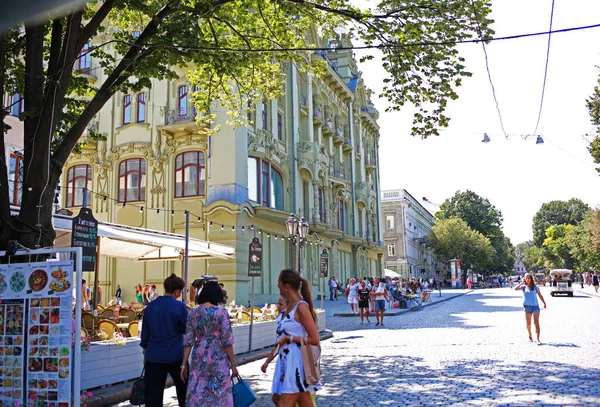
point(242, 393)
point(311, 359)
point(138, 390)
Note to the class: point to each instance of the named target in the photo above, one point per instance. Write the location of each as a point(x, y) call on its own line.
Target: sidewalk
point(587, 290)
point(341, 308)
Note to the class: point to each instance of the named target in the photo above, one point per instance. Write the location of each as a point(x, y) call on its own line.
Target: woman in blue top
point(530, 294)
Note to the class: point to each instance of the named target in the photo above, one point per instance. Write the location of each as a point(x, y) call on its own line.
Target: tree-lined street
point(471, 350)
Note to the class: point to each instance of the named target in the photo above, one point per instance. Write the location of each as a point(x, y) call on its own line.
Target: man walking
point(333, 289)
point(118, 294)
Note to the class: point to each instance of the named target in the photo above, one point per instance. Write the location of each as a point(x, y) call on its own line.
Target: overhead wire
point(545, 69)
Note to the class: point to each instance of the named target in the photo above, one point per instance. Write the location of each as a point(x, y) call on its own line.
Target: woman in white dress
point(352, 290)
point(295, 325)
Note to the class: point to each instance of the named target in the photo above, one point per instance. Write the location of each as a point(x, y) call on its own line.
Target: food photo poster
point(36, 333)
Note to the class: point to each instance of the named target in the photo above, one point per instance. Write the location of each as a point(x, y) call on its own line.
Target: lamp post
point(298, 229)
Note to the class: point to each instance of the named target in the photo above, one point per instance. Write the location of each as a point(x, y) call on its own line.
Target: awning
point(391, 273)
point(139, 244)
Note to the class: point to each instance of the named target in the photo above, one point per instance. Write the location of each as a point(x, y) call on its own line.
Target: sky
point(515, 175)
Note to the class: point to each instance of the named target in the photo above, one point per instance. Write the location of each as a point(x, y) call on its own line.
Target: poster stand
point(75, 255)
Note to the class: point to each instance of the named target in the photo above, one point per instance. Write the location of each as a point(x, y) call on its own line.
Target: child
point(281, 307)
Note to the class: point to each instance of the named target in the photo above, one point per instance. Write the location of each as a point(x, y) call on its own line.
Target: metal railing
point(181, 115)
point(337, 171)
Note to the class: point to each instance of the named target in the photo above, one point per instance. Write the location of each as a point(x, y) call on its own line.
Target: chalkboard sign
point(324, 264)
point(255, 258)
point(85, 234)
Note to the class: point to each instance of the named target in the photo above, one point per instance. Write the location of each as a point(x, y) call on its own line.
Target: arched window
point(78, 177)
point(189, 174)
point(265, 183)
point(182, 100)
point(85, 59)
point(141, 107)
point(132, 180)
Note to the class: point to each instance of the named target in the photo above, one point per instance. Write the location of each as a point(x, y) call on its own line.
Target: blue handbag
point(242, 393)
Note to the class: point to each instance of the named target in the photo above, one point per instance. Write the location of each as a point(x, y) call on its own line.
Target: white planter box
point(263, 334)
point(107, 363)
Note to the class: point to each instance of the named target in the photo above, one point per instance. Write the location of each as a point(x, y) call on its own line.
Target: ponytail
point(306, 295)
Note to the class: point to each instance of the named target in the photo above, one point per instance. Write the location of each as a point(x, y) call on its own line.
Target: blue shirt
point(530, 296)
point(163, 328)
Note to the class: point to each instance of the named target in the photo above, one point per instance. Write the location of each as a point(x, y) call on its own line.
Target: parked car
point(492, 282)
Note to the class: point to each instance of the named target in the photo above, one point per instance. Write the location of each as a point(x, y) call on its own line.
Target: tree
point(234, 47)
point(453, 239)
point(593, 105)
point(519, 252)
point(557, 248)
point(585, 240)
point(534, 259)
point(569, 212)
point(481, 216)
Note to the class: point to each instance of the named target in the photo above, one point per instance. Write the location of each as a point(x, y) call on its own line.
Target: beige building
point(313, 152)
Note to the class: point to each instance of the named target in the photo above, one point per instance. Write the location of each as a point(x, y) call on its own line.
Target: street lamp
point(298, 229)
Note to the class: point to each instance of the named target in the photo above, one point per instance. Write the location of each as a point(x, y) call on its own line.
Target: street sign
point(255, 258)
point(85, 234)
point(324, 264)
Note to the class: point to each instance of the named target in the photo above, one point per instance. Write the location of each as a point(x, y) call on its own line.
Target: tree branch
point(55, 48)
point(95, 22)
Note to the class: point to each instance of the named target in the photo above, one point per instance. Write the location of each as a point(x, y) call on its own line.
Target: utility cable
point(545, 69)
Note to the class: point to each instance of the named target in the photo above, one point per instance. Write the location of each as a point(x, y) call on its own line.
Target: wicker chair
point(84, 333)
point(137, 306)
point(89, 322)
point(134, 328)
point(107, 313)
point(108, 327)
point(128, 313)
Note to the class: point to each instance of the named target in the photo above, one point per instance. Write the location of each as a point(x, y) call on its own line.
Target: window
point(321, 198)
point(15, 179)
point(126, 109)
point(265, 184)
point(279, 126)
point(85, 59)
point(391, 249)
point(182, 100)
point(265, 115)
point(132, 180)
point(341, 215)
point(251, 113)
point(17, 105)
point(189, 174)
point(78, 177)
point(389, 222)
point(141, 107)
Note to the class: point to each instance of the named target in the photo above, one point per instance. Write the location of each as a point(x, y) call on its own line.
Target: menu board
point(36, 333)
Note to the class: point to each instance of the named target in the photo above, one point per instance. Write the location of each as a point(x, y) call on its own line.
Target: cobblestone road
point(470, 351)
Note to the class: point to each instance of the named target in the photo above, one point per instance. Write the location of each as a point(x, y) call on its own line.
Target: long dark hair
point(531, 285)
point(293, 279)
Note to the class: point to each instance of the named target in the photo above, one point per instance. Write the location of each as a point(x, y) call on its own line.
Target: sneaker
point(368, 321)
point(377, 324)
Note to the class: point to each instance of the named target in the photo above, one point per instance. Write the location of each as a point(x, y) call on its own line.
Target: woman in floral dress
point(209, 332)
point(296, 324)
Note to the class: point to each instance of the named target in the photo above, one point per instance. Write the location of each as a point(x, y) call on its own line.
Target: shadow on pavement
point(406, 381)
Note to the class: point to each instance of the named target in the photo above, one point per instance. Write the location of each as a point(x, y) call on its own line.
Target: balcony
point(304, 105)
point(91, 72)
point(338, 136)
point(370, 162)
point(328, 127)
point(361, 192)
point(318, 115)
point(337, 172)
point(347, 146)
point(181, 115)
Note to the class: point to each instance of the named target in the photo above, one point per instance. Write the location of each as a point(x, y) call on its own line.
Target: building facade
point(407, 225)
point(312, 152)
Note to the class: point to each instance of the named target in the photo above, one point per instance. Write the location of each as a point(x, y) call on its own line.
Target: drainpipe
point(378, 198)
point(294, 153)
point(351, 134)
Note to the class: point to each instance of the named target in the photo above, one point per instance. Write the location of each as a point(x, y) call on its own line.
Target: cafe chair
point(109, 328)
point(137, 306)
point(257, 311)
point(84, 333)
point(107, 313)
point(100, 307)
point(133, 329)
point(128, 313)
point(243, 316)
point(89, 322)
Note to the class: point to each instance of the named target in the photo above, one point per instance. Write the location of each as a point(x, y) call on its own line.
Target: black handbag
point(138, 391)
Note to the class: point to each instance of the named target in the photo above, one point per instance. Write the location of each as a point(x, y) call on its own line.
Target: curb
point(404, 311)
point(122, 391)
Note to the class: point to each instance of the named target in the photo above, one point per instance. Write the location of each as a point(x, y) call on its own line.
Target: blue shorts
point(531, 309)
point(379, 305)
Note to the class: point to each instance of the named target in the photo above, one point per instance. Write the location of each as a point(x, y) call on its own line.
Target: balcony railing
point(303, 101)
point(91, 70)
point(181, 115)
point(337, 171)
point(318, 113)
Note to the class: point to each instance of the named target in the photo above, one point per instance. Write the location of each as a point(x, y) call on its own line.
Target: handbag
point(138, 391)
point(242, 393)
point(311, 359)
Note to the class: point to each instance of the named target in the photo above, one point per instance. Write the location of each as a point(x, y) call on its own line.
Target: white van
point(561, 282)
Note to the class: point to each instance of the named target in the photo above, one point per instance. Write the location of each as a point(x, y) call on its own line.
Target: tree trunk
point(4, 199)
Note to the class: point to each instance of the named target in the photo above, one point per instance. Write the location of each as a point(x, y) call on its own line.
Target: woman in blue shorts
point(530, 294)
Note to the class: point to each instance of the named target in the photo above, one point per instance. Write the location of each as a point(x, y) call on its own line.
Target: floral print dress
point(209, 332)
point(289, 370)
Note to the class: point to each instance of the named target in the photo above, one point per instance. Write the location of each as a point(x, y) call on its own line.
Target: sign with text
point(255, 258)
point(324, 263)
point(85, 235)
